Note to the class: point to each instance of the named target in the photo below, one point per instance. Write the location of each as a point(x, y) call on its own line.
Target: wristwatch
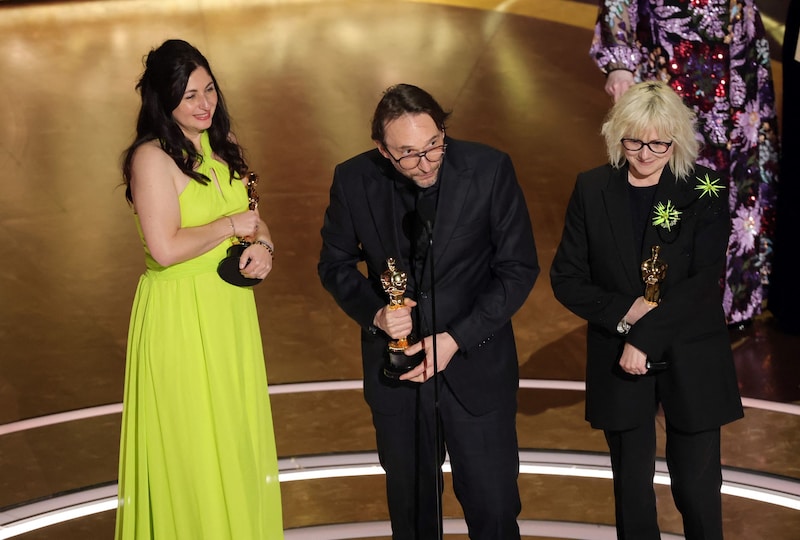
point(623, 327)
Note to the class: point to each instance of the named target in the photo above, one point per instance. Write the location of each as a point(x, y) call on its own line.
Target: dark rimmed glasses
point(411, 161)
point(657, 147)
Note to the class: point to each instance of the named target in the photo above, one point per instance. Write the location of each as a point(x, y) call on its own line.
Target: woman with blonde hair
point(641, 258)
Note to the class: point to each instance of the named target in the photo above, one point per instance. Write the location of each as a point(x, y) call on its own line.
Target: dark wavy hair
point(162, 85)
point(403, 99)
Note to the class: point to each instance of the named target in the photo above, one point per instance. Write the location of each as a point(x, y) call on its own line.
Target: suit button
point(423, 294)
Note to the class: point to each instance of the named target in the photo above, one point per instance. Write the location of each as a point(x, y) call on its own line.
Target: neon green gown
point(197, 450)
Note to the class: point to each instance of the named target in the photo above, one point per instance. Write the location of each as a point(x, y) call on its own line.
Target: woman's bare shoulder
point(150, 151)
point(152, 158)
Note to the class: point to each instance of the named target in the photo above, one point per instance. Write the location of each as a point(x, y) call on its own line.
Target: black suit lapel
point(670, 193)
point(380, 194)
point(454, 181)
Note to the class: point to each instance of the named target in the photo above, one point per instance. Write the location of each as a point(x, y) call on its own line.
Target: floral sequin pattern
point(715, 55)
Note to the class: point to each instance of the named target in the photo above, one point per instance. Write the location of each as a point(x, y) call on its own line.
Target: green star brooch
point(666, 215)
point(708, 187)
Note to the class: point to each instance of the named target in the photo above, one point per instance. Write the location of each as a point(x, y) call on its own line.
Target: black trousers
point(695, 473)
point(483, 454)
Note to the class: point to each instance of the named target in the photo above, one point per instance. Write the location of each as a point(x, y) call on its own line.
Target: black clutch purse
point(228, 268)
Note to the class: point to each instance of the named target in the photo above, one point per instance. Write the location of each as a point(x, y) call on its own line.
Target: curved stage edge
point(34, 515)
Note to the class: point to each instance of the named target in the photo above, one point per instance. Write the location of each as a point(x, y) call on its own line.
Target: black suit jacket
point(484, 257)
point(596, 274)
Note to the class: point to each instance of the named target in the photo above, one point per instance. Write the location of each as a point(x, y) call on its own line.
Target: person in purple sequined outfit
point(715, 55)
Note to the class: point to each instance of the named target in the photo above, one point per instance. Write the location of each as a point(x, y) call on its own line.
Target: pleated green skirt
point(197, 454)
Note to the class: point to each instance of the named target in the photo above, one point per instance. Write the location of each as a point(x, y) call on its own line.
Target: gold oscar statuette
point(654, 270)
point(394, 282)
point(228, 268)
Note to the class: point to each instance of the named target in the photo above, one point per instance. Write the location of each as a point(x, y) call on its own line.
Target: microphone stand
point(437, 429)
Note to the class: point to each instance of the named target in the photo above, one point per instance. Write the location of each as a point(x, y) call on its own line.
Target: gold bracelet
point(233, 228)
point(268, 246)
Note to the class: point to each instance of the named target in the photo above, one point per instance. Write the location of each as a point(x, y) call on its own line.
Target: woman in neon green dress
point(197, 451)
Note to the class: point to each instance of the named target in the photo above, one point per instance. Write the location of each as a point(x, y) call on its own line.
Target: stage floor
point(301, 79)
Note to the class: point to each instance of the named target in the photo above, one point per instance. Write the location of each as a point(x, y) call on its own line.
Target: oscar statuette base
point(398, 363)
point(228, 268)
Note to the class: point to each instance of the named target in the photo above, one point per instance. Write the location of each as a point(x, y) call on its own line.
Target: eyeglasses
point(657, 147)
point(412, 161)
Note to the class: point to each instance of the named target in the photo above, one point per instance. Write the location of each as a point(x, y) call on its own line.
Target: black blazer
point(596, 274)
point(485, 265)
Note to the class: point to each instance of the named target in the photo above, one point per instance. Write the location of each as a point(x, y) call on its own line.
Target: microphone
point(426, 211)
point(656, 366)
point(437, 429)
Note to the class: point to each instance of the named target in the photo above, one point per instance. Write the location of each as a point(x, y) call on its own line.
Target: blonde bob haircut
point(652, 105)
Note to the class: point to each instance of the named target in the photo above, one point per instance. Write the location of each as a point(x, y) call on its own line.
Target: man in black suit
point(454, 218)
point(640, 258)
